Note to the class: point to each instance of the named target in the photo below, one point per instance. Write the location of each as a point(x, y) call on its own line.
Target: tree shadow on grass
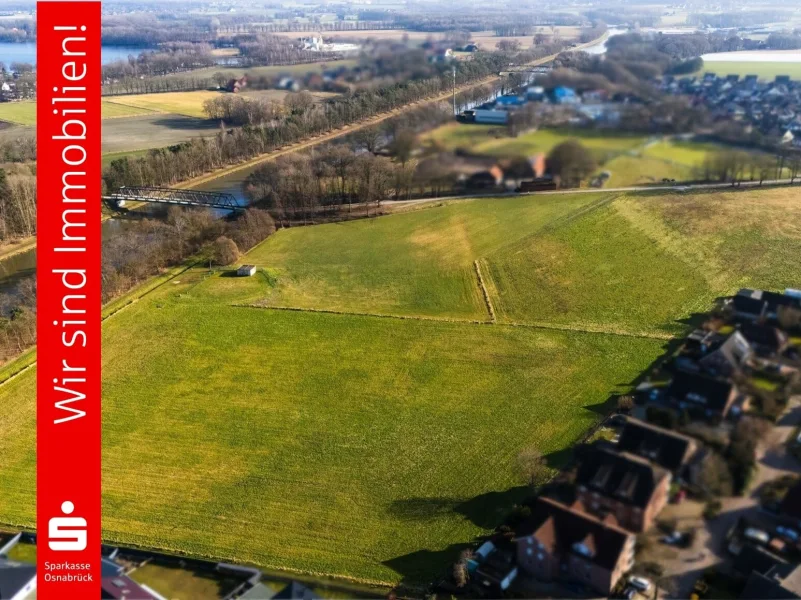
point(420, 568)
point(486, 511)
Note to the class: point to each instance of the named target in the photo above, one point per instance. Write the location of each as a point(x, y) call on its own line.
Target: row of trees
point(173, 59)
point(168, 166)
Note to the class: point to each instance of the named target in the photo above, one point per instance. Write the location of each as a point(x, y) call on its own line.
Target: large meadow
point(354, 410)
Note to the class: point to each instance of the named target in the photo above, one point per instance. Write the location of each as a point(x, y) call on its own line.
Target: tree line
point(17, 202)
point(229, 146)
point(174, 58)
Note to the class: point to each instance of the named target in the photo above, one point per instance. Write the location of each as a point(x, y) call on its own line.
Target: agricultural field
point(153, 130)
point(189, 104)
point(765, 70)
point(24, 113)
point(376, 440)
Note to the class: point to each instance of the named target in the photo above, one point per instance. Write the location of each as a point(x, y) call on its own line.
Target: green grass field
point(24, 113)
point(376, 447)
point(765, 70)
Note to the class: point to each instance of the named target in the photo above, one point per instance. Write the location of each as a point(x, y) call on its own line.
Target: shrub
point(225, 251)
point(712, 509)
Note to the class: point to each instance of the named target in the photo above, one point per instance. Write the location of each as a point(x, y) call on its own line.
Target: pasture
point(376, 446)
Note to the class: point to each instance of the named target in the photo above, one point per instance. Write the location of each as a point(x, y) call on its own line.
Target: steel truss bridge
point(161, 195)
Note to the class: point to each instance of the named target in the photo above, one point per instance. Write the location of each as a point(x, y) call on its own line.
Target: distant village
point(661, 487)
point(773, 108)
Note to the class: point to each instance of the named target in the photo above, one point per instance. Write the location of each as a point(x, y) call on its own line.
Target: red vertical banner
point(68, 300)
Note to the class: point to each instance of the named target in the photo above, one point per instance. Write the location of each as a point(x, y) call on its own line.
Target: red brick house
point(563, 543)
point(668, 449)
point(624, 485)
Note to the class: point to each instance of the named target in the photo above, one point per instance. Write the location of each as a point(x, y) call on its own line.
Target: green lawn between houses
point(375, 448)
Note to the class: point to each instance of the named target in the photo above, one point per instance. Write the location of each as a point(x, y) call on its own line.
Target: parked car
point(756, 535)
point(673, 538)
point(791, 535)
point(639, 583)
point(629, 593)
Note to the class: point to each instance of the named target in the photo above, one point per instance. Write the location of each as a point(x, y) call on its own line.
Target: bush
point(625, 403)
point(712, 509)
point(225, 251)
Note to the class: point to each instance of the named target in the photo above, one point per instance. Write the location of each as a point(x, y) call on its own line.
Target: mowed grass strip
point(367, 448)
point(24, 113)
point(415, 263)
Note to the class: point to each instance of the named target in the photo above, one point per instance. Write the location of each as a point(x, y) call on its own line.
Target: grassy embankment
point(375, 447)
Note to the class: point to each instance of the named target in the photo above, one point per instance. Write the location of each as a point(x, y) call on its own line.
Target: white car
point(673, 538)
point(639, 583)
point(787, 533)
point(756, 535)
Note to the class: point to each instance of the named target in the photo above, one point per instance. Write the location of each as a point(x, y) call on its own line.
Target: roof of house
point(123, 587)
point(559, 528)
point(295, 591)
point(729, 356)
point(755, 558)
point(763, 335)
point(782, 582)
point(666, 448)
point(14, 576)
point(702, 390)
point(791, 504)
point(625, 477)
point(753, 301)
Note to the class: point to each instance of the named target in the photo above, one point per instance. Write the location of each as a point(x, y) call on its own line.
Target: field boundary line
point(549, 326)
point(485, 292)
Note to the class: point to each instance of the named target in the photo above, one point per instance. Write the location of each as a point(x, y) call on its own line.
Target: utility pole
point(454, 90)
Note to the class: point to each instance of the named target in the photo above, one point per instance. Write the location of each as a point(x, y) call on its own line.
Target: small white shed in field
point(246, 271)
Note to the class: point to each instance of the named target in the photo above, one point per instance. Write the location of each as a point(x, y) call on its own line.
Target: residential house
point(495, 570)
point(767, 341)
point(790, 507)
point(701, 395)
point(296, 591)
point(17, 580)
point(623, 485)
point(753, 305)
point(563, 543)
point(668, 449)
point(781, 582)
point(122, 587)
point(729, 358)
point(565, 95)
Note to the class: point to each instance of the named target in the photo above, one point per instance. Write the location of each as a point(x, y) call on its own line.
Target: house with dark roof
point(752, 305)
point(767, 341)
point(668, 449)
point(624, 486)
point(729, 358)
point(563, 543)
point(701, 394)
point(17, 580)
point(790, 507)
point(781, 582)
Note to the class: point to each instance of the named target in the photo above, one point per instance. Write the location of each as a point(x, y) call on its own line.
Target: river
point(26, 52)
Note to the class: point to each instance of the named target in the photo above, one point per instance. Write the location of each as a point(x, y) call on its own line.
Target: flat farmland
point(24, 113)
point(153, 131)
point(764, 69)
point(375, 442)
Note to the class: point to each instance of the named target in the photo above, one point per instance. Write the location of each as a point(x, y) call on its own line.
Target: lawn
point(182, 584)
point(377, 447)
point(765, 70)
point(24, 113)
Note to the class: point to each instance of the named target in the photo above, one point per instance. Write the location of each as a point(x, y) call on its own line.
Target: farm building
point(246, 271)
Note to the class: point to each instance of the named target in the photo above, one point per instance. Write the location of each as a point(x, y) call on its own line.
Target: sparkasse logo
point(67, 533)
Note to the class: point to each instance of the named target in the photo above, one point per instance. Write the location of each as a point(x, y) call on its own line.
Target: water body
point(26, 52)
